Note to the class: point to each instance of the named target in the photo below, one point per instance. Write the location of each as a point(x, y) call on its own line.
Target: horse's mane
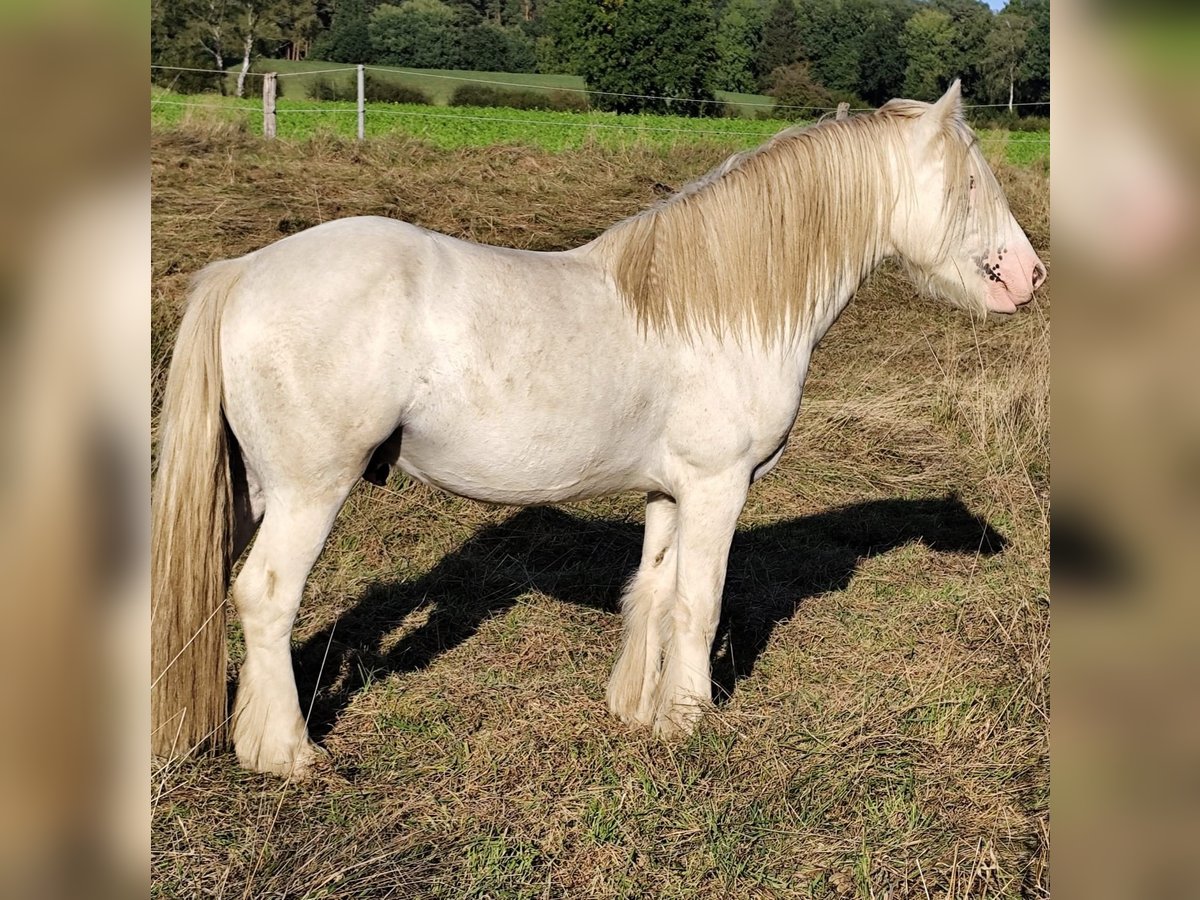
point(770, 235)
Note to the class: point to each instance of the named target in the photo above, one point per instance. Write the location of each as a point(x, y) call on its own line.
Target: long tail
point(191, 532)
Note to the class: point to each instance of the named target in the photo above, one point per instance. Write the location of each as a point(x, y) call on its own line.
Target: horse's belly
point(568, 446)
point(522, 469)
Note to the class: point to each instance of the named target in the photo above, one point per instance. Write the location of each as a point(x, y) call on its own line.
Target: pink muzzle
point(1013, 274)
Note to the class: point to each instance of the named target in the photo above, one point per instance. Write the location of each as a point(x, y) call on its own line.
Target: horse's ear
point(950, 106)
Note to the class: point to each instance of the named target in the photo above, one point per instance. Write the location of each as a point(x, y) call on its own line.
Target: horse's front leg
point(645, 603)
point(708, 513)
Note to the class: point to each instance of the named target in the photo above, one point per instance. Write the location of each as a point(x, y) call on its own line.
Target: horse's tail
point(191, 532)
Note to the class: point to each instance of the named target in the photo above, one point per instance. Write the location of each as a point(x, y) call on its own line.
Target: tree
point(182, 34)
point(493, 48)
point(829, 34)
point(212, 25)
point(564, 45)
point(881, 58)
point(928, 40)
point(653, 49)
point(972, 22)
point(739, 35)
point(297, 23)
point(254, 21)
point(868, 49)
point(348, 39)
point(1004, 52)
point(781, 45)
point(422, 34)
point(522, 10)
point(1033, 74)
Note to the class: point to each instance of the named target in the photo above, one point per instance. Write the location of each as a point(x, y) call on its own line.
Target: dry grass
point(883, 664)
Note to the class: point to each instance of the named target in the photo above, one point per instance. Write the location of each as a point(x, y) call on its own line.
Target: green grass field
point(451, 127)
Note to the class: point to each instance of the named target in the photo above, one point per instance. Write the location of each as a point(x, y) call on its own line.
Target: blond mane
point(766, 239)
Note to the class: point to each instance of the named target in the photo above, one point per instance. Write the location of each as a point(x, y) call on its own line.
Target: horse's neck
point(852, 260)
point(825, 315)
point(828, 309)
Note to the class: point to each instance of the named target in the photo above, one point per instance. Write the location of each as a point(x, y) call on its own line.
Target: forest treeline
point(803, 52)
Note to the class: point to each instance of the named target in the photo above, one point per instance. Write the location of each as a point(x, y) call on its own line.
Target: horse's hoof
point(622, 706)
point(632, 710)
point(310, 761)
point(677, 721)
point(299, 765)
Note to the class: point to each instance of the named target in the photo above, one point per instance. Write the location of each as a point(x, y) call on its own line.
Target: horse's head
point(952, 226)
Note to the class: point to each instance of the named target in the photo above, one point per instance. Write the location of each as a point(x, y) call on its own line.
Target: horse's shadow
point(772, 570)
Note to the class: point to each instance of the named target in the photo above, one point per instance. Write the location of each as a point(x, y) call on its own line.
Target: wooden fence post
point(269, 105)
point(843, 111)
point(361, 124)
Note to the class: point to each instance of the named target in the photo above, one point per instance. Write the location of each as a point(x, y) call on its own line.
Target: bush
point(254, 82)
point(321, 88)
point(376, 90)
point(718, 110)
point(796, 86)
point(182, 82)
point(855, 101)
point(380, 90)
point(1000, 117)
point(475, 95)
point(486, 95)
point(567, 101)
point(1032, 123)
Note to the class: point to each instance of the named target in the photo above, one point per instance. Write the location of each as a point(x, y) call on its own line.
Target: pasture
point(439, 84)
point(451, 127)
point(882, 663)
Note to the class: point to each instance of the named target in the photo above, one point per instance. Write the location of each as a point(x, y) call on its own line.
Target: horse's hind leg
point(248, 501)
point(645, 605)
point(269, 732)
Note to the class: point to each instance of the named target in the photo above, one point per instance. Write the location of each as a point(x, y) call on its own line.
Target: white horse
point(667, 356)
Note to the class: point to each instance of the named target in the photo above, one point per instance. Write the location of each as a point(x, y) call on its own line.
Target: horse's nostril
point(1039, 275)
